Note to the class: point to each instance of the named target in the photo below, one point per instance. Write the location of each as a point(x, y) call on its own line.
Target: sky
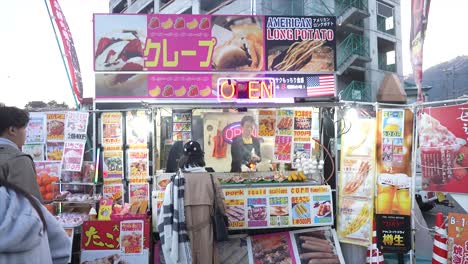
point(34, 70)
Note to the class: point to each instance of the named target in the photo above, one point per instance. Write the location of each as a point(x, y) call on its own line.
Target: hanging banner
point(356, 185)
point(394, 145)
point(458, 238)
point(419, 20)
point(393, 233)
point(68, 49)
point(443, 148)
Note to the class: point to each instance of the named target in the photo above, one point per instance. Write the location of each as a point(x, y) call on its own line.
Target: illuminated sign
point(233, 130)
point(246, 89)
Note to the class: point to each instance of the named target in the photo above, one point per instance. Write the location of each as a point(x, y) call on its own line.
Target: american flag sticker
point(320, 85)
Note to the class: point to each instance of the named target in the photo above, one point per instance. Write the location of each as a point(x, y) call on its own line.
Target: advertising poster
point(302, 120)
point(179, 86)
point(357, 177)
point(283, 148)
point(76, 125)
point(137, 124)
point(393, 233)
point(279, 206)
point(112, 165)
point(266, 123)
point(321, 205)
point(36, 129)
point(138, 167)
point(54, 151)
point(257, 207)
point(114, 192)
point(36, 151)
point(235, 201)
point(55, 126)
point(316, 245)
point(302, 150)
point(107, 242)
point(271, 248)
point(458, 238)
point(49, 168)
point(284, 122)
point(111, 129)
point(138, 193)
point(300, 43)
point(182, 126)
point(443, 147)
point(301, 206)
point(393, 157)
point(354, 221)
point(131, 237)
point(73, 156)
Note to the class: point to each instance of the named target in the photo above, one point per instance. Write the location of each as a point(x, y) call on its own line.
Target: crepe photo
point(239, 43)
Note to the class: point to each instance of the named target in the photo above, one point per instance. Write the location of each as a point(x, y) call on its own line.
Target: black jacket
point(241, 153)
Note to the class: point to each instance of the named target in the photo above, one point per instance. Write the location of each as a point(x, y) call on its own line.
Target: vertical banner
point(458, 238)
point(394, 144)
point(419, 19)
point(68, 49)
point(356, 185)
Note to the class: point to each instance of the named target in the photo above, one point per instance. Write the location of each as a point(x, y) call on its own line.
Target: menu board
point(111, 129)
point(235, 207)
point(275, 207)
point(182, 126)
point(112, 165)
point(138, 165)
point(137, 125)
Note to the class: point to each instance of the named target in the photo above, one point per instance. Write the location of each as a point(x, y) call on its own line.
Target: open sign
point(250, 89)
point(233, 130)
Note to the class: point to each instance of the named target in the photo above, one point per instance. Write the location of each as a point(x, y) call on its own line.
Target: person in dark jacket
point(245, 148)
point(176, 152)
point(16, 167)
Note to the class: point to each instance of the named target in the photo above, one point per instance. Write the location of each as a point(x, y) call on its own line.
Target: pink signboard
point(178, 86)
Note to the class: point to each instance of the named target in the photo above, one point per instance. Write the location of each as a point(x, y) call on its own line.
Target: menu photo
point(316, 245)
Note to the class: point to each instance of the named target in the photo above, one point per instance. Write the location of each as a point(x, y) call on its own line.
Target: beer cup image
point(385, 196)
point(403, 201)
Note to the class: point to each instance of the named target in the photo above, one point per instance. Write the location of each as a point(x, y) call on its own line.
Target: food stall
point(196, 77)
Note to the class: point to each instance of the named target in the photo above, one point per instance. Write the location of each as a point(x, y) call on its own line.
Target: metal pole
point(413, 183)
point(61, 55)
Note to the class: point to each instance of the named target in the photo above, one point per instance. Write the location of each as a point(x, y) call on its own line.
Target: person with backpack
point(16, 167)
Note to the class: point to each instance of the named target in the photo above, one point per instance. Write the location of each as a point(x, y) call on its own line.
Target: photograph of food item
point(133, 241)
point(119, 42)
point(356, 179)
point(113, 163)
point(55, 128)
point(121, 84)
point(307, 55)
point(235, 213)
point(301, 210)
point(322, 209)
point(316, 247)
point(279, 210)
point(112, 259)
point(302, 123)
point(54, 150)
point(267, 126)
point(272, 248)
point(257, 213)
point(138, 167)
point(285, 123)
point(36, 151)
point(112, 130)
point(239, 43)
point(354, 219)
point(163, 183)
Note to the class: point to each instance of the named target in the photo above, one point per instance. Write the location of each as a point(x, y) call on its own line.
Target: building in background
point(368, 32)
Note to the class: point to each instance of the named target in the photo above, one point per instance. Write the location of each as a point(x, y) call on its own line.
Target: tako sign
point(246, 89)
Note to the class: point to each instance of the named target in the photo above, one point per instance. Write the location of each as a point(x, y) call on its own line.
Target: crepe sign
point(443, 136)
point(393, 233)
point(157, 42)
point(126, 240)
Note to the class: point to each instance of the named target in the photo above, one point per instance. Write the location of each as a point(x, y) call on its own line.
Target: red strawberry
point(193, 91)
point(103, 44)
point(462, 157)
point(458, 172)
point(154, 23)
point(204, 23)
point(131, 50)
point(180, 23)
